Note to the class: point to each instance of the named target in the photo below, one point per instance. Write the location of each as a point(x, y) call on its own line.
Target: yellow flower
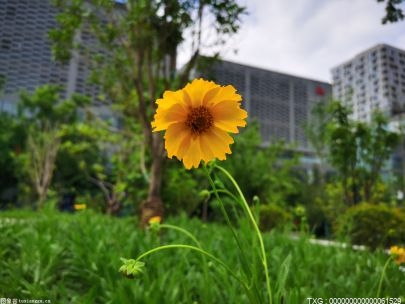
point(155, 220)
point(398, 253)
point(197, 120)
point(79, 206)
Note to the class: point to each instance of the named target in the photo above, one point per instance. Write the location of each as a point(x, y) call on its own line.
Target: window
point(2, 81)
point(394, 66)
point(10, 11)
point(5, 44)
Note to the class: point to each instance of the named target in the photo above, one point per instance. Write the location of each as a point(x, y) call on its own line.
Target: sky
point(308, 37)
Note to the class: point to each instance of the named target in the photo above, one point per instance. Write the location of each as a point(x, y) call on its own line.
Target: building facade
point(26, 53)
point(281, 103)
point(373, 79)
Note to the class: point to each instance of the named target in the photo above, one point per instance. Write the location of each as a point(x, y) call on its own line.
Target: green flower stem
point(232, 196)
point(227, 193)
point(382, 276)
point(190, 235)
point(205, 253)
point(228, 221)
point(256, 227)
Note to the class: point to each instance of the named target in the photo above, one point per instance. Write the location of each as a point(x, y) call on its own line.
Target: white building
point(373, 79)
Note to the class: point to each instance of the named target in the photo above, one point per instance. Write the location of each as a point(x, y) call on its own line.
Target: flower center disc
point(199, 120)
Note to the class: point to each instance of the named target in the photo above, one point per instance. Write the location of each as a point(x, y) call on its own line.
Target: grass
point(75, 259)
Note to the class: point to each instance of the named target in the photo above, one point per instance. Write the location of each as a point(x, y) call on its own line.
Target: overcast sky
point(308, 37)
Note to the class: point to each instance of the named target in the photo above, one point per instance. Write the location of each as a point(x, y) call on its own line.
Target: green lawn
point(75, 259)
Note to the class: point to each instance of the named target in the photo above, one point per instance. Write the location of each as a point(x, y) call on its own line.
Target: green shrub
point(273, 216)
point(373, 225)
point(180, 190)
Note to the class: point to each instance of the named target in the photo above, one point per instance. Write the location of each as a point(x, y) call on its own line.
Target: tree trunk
point(153, 205)
point(42, 191)
point(113, 204)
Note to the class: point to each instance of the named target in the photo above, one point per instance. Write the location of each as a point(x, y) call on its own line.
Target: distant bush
point(273, 216)
point(180, 190)
point(373, 225)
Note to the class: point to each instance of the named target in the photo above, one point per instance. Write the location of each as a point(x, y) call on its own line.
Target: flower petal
point(210, 95)
point(197, 89)
point(165, 117)
point(184, 147)
point(227, 93)
point(228, 116)
point(176, 139)
point(171, 98)
point(207, 153)
point(192, 157)
point(218, 141)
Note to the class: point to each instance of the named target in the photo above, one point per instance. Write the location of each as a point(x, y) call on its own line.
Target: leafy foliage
point(44, 118)
point(181, 189)
point(118, 169)
point(12, 138)
point(393, 11)
point(75, 259)
point(273, 216)
point(262, 171)
point(352, 158)
point(358, 151)
point(373, 225)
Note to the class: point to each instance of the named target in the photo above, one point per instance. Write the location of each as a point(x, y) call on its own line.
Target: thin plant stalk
point(255, 226)
point(202, 251)
point(382, 276)
point(184, 231)
point(228, 221)
point(192, 237)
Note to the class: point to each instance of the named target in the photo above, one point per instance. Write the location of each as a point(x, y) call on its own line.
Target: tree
point(376, 147)
point(315, 132)
point(42, 149)
point(342, 148)
point(393, 12)
point(44, 118)
point(141, 40)
point(120, 166)
point(359, 151)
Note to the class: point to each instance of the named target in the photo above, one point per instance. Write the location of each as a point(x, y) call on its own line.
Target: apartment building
point(373, 79)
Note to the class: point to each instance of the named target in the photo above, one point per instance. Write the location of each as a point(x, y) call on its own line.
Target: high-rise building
point(26, 56)
point(373, 79)
point(25, 52)
point(281, 103)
